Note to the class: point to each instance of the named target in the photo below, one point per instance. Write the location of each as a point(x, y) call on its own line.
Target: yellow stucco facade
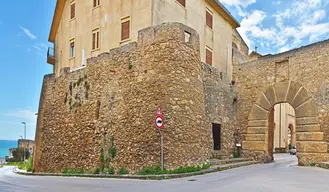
point(108, 16)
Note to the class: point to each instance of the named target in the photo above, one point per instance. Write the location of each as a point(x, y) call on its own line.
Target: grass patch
point(156, 170)
point(28, 165)
point(123, 171)
point(109, 171)
point(312, 164)
point(72, 171)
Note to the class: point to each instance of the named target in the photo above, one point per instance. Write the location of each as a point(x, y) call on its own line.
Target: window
point(72, 10)
point(182, 2)
point(216, 132)
point(208, 56)
point(96, 3)
point(125, 29)
point(72, 47)
point(209, 19)
point(95, 43)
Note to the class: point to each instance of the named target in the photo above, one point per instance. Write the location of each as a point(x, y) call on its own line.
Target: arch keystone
point(281, 90)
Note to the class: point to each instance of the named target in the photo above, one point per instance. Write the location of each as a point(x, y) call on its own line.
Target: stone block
point(300, 98)
point(256, 130)
point(308, 128)
point(307, 109)
point(315, 136)
point(311, 147)
point(307, 120)
point(255, 137)
point(306, 159)
point(257, 123)
point(293, 89)
point(270, 94)
point(257, 113)
point(263, 102)
point(281, 90)
point(253, 145)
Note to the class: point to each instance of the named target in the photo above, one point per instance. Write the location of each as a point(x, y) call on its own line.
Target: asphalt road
point(281, 176)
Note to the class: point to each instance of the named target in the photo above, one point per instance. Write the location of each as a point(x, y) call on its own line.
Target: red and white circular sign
point(159, 123)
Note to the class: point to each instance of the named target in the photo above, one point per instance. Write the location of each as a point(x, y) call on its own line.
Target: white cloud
point(276, 2)
point(251, 27)
point(297, 21)
point(24, 114)
point(319, 15)
point(28, 33)
point(241, 13)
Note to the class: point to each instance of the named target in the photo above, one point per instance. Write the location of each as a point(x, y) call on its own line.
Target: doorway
point(216, 132)
point(280, 129)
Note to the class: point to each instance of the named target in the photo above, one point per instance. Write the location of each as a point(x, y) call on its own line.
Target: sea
point(5, 145)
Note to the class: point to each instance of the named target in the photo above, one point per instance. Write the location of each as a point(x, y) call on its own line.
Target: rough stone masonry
point(298, 77)
point(116, 95)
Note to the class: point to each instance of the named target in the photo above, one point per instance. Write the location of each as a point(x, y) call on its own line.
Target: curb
point(140, 177)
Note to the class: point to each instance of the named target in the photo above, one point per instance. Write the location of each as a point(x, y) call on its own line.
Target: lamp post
point(24, 123)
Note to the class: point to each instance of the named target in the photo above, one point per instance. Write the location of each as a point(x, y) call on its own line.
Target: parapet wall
point(116, 96)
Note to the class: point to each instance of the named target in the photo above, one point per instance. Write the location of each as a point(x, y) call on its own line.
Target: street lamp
point(24, 123)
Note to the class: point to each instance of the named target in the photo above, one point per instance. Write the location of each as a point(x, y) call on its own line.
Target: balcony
point(51, 56)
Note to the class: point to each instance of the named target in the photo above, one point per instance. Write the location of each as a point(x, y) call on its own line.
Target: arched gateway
point(311, 147)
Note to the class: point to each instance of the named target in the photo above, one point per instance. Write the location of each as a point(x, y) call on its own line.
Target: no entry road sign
point(159, 122)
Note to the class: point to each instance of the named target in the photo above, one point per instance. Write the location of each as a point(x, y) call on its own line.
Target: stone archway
point(311, 147)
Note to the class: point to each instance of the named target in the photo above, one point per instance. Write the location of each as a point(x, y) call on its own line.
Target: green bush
point(29, 165)
point(187, 169)
point(109, 171)
point(123, 171)
point(152, 170)
point(96, 171)
point(206, 166)
point(156, 170)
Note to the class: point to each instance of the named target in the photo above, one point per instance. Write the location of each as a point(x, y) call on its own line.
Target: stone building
point(27, 144)
point(84, 29)
point(297, 77)
point(104, 107)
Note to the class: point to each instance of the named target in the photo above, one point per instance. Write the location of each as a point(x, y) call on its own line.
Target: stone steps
point(324, 165)
point(228, 161)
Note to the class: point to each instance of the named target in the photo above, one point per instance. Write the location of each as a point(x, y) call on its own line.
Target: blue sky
point(280, 25)
point(273, 26)
point(23, 48)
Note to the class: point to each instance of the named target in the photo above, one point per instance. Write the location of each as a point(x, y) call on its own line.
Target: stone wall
point(116, 95)
point(220, 104)
point(301, 74)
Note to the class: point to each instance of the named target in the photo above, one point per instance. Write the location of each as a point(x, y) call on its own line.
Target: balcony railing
point(51, 55)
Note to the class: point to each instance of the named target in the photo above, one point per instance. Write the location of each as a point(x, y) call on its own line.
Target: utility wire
point(325, 36)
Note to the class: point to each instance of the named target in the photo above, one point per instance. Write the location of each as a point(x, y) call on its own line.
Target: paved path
point(281, 176)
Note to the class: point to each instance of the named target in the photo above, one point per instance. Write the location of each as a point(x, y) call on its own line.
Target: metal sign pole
point(161, 144)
